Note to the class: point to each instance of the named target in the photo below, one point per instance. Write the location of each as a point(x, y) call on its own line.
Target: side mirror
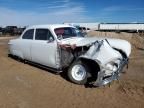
point(50, 40)
point(60, 37)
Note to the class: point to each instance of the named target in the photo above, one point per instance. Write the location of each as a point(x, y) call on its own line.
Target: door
point(44, 48)
point(24, 44)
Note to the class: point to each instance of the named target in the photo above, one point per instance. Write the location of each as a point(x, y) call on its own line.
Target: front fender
point(120, 44)
point(101, 51)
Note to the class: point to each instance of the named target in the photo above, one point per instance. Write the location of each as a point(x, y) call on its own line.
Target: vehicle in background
point(84, 30)
point(89, 26)
point(1, 30)
point(11, 30)
point(121, 27)
point(20, 30)
point(112, 27)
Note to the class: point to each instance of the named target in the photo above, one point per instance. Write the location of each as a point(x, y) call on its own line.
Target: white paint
point(45, 53)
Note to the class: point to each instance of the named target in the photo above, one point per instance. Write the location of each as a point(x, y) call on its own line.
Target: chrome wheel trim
point(78, 72)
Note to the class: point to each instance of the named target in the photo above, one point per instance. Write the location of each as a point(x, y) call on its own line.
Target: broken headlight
point(111, 67)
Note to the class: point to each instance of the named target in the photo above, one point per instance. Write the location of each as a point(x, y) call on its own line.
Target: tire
point(76, 75)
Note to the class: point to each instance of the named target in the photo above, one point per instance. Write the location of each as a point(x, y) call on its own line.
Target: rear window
point(28, 34)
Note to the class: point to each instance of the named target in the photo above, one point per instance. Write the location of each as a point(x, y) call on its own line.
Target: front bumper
point(101, 80)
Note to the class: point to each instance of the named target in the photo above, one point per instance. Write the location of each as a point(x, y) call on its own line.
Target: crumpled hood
point(83, 41)
point(79, 41)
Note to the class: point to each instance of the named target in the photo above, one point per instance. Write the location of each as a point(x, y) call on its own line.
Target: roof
point(51, 26)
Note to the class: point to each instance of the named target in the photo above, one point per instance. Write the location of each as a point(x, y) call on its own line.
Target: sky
point(32, 12)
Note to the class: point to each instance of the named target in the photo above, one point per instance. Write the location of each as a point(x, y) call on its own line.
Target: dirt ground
point(26, 86)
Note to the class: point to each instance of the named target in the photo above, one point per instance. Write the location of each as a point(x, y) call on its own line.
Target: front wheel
point(78, 73)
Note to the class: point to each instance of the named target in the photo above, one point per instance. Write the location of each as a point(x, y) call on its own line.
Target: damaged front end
point(103, 79)
point(111, 61)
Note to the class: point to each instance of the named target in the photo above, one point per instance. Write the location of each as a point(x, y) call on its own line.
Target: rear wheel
point(78, 73)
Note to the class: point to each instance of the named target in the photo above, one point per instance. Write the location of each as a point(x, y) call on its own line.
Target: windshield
point(67, 32)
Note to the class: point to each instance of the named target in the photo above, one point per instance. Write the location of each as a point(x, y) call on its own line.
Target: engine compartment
point(69, 53)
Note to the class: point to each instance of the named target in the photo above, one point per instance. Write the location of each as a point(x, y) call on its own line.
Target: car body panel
point(104, 54)
point(21, 48)
point(44, 52)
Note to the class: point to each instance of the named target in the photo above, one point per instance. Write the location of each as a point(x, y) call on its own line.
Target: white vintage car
point(97, 61)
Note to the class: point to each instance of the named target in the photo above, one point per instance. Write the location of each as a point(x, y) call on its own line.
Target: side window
point(43, 34)
point(28, 34)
